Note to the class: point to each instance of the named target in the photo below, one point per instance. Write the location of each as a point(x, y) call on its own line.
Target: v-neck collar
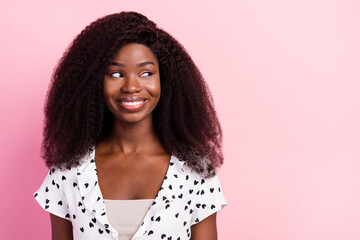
point(94, 202)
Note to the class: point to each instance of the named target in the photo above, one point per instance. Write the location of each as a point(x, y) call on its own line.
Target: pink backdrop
point(285, 79)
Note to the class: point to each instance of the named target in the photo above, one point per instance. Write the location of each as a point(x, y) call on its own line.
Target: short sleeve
point(210, 199)
point(50, 195)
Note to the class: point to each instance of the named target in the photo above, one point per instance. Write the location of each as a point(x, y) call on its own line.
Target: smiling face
point(132, 84)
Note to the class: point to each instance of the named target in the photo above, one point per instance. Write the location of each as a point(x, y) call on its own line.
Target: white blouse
point(184, 199)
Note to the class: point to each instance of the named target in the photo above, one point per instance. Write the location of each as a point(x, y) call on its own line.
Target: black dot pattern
point(184, 199)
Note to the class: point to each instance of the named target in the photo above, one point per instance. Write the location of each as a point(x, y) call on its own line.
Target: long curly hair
point(77, 119)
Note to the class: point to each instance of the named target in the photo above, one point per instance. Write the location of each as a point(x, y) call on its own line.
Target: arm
point(205, 230)
point(61, 229)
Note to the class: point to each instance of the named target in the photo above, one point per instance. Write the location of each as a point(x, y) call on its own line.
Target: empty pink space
point(285, 81)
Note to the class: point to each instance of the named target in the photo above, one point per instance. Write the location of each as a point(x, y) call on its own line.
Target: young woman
point(131, 138)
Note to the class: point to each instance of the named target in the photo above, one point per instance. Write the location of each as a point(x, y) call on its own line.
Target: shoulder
point(62, 172)
point(61, 177)
point(193, 175)
point(195, 180)
point(200, 182)
point(204, 193)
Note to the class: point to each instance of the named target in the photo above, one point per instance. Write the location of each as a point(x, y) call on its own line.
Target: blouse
point(184, 199)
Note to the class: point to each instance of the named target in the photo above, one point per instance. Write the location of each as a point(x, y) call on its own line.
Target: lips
point(131, 104)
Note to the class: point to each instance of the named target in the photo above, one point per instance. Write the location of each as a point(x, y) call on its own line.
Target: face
point(132, 84)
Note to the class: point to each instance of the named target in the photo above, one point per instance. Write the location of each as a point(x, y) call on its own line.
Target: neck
point(132, 138)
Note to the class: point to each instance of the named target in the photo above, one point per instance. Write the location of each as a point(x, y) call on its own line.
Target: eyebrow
point(139, 65)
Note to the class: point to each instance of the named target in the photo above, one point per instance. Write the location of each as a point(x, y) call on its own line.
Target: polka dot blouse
point(183, 200)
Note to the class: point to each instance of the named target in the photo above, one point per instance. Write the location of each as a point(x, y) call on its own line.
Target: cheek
point(155, 88)
point(108, 89)
point(108, 93)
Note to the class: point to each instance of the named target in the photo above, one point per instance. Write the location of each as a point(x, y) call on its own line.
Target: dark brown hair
point(76, 117)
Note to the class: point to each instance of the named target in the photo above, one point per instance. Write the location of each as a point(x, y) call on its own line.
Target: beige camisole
point(126, 215)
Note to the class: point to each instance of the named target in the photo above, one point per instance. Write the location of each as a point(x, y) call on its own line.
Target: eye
point(146, 74)
point(116, 75)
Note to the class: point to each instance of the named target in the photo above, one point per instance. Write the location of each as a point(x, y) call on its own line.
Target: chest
point(174, 204)
point(139, 178)
point(90, 225)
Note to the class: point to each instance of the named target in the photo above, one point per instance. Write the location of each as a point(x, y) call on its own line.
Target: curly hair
point(76, 117)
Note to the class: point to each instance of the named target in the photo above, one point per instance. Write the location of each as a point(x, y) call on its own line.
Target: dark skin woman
point(132, 158)
point(139, 99)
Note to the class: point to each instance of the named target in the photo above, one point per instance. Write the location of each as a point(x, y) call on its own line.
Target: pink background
point(285, 79)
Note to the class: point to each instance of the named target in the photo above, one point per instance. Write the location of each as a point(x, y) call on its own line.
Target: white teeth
point(132, 103)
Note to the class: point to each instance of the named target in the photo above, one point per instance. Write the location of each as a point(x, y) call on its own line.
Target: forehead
point(134, 52)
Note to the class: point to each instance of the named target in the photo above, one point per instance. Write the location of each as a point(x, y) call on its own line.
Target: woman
point(131, 138)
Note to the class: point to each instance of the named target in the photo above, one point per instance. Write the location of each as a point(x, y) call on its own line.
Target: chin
point(133, 119)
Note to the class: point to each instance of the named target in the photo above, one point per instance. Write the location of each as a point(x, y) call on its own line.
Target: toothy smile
point(132, 103)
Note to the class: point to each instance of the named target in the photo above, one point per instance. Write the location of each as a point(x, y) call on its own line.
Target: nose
point(131, 85)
